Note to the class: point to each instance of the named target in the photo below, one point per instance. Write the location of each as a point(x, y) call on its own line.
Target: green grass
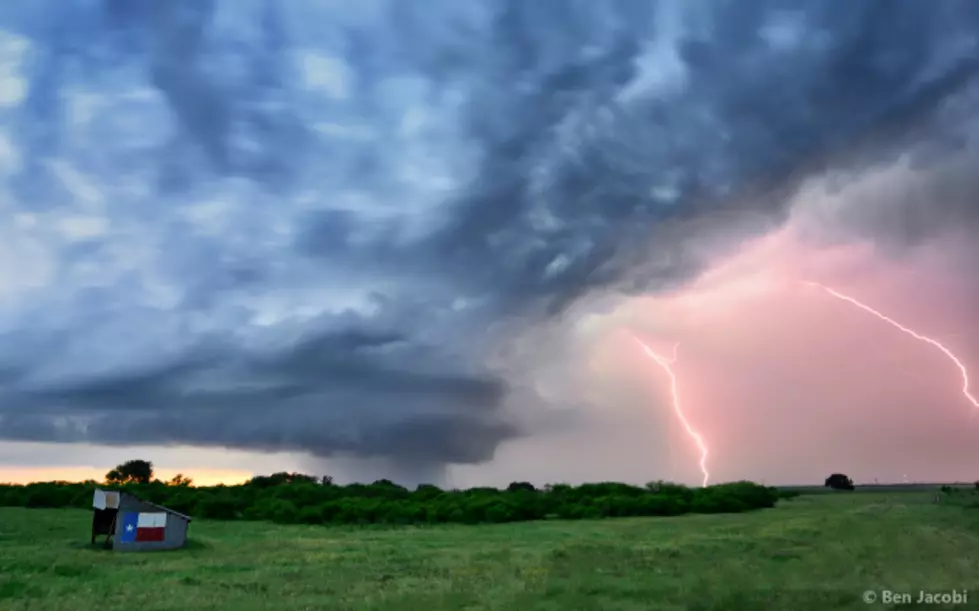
point(813, 552)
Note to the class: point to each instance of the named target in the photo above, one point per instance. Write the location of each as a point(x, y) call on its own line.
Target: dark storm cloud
point(314, 214)
point(929, 192)
point(747, 123)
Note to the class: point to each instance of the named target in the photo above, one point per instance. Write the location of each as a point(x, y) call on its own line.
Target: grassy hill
point(817, 552)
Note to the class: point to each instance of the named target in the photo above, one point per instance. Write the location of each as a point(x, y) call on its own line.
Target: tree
point(180, 480)
point(131, 472)
point(521, 486)
point(282, 478)
point(838, 481)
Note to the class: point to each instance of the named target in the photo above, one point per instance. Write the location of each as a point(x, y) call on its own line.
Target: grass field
point(813, 552)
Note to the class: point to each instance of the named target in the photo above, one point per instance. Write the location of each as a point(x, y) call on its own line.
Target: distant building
point(132, 524)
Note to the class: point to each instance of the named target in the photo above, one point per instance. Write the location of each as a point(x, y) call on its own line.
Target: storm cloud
point(315, 226)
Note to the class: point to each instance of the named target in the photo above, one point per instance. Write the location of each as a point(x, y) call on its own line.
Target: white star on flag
point(129, 528)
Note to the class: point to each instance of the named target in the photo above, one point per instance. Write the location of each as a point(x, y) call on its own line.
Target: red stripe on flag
point(150, 534)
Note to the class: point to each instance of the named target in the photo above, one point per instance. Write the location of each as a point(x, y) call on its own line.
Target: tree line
point(294, 498)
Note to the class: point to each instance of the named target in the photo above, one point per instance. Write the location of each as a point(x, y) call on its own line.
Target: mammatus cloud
point(330, 228)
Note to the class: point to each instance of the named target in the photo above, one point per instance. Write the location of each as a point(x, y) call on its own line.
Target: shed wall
point(175, 534)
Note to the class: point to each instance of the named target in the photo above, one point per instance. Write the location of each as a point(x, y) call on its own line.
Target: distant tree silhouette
point(131, 472)
point(180, 480)
point(525, 486)
point(283, 478)
point(838, 481)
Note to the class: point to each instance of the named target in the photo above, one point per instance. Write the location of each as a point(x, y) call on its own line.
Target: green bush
point(216, 507)
point(289, 498)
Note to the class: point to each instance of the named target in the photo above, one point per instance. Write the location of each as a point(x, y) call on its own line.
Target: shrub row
point(308, 502)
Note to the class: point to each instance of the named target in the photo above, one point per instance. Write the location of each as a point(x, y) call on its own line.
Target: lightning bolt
point(697, 438)
point(935, 343)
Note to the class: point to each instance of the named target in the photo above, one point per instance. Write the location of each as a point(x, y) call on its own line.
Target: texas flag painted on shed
point(139, 527)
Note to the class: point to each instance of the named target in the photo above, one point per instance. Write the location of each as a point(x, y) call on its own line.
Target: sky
point(374, 241)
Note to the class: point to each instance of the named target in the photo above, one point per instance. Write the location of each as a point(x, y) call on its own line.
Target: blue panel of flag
point(130, 522)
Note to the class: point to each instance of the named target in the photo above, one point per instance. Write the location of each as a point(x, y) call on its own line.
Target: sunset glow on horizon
point(202, 477)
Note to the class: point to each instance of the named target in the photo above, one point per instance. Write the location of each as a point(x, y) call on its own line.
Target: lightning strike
point(697, 438)
point(935, 343)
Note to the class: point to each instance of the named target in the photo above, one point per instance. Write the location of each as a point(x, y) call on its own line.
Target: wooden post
point(112, 531)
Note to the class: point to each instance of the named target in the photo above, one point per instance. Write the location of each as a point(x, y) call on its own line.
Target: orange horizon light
point(203, 477)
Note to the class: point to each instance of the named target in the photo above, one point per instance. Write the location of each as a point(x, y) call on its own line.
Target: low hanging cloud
point(328, 228)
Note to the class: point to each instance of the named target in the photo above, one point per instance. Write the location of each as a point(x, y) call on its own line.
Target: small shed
point(131, 524)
